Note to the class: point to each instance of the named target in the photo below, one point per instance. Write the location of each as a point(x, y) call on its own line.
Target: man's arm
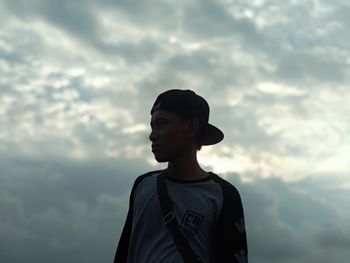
point(230, 236)
point(121, 255)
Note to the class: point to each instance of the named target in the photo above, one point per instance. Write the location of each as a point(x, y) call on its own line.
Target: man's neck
point(186, 169)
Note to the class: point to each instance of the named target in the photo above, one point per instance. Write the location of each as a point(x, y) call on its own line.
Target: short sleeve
point(230, 233)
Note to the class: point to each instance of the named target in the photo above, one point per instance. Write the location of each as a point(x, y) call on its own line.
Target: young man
point(206, 222)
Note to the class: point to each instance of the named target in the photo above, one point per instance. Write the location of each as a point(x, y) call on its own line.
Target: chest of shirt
point(196, 206)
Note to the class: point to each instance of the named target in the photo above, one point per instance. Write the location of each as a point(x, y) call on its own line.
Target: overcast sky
point(77, 82)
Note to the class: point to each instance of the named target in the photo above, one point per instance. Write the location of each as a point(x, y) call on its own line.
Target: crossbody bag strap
point(170, 221)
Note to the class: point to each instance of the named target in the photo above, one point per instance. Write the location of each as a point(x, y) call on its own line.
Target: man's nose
point(153, 135)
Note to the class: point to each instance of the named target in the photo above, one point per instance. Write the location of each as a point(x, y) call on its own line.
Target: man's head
point(180, 123)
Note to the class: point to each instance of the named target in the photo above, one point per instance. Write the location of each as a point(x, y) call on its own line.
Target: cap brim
point(211, 135)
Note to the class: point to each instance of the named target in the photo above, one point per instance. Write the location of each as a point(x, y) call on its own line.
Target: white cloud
point(280, 89)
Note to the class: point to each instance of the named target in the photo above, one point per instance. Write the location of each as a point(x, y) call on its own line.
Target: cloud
point(75, 211)
point(77, 83)
point(292, 223)
point(67, 209)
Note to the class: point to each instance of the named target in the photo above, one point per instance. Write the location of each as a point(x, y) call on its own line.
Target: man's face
point(169, 135)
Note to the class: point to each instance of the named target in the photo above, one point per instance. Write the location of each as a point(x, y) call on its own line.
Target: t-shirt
point(209, 213)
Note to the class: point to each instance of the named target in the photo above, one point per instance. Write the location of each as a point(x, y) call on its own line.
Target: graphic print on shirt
point(191, 221)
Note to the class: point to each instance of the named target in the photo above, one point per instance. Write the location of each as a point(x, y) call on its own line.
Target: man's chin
point(161, 159)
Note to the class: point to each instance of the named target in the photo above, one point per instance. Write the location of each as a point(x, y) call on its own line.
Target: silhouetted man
point(182, 213)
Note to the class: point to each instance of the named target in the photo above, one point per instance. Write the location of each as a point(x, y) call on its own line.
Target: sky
point(78, 80)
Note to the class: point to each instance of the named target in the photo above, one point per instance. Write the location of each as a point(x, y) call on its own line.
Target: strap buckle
point(169, 217)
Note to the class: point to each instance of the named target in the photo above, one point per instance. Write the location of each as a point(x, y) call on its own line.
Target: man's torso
point(197, 205)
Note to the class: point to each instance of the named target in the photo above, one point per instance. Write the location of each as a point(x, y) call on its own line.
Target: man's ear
point(193, 127)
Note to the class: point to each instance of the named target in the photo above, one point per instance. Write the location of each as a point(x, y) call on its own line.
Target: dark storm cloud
point(295, 66)
point(55, 209)
point(76, 17)
point(198, 20)
point(286, 223)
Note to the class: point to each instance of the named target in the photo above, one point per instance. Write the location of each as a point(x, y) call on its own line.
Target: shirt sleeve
point(230, 240)
point(121, 255)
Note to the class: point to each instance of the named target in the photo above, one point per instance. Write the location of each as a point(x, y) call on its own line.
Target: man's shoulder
point(226, 185)
point(145, 175)
point(139, 179)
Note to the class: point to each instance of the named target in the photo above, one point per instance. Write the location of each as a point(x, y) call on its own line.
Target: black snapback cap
point(187, 102)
